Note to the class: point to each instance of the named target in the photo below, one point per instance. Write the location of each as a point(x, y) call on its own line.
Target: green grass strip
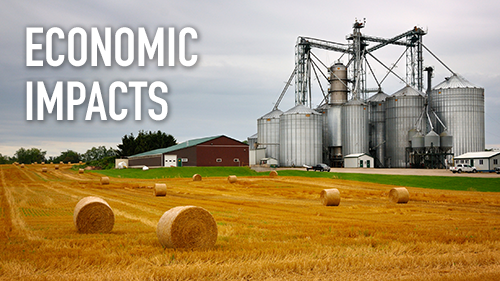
point(180, 172)
point(434, 182)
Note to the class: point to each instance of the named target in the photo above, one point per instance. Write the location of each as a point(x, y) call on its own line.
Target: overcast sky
point(245, 55)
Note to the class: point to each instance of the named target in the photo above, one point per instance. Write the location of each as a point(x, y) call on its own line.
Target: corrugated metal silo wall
point(402, 112)
point(333, 124)
point(462, 111)
point(252, 141)
point(332, 130)
point(268, 131)
point(377, 129)
point(300, 139)
point(355, 131)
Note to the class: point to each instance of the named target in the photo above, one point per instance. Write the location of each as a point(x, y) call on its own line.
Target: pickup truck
point(320, 167)
point(463, 168)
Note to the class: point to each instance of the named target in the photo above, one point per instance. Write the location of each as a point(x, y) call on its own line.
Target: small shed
point(358, 160)
point(484, 161)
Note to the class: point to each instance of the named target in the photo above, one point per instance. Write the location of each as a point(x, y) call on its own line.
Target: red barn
point(210, 151)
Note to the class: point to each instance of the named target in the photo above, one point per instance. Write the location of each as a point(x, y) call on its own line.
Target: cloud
point(246, 53)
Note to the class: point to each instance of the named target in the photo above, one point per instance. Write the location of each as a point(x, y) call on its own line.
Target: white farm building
point(484, 161)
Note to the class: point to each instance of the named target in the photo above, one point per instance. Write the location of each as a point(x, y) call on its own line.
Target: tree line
point(144, 141)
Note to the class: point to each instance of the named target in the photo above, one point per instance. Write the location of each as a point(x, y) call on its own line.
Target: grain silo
point(403, 110)
point(376, 108)
point(355, 136)
point(332, 134)
point(432, 140)
point(268, 133)
point(332, 115)
point(460, 105)
point(252, 141)
point(338, 84)
point(300, 137)
point(407, 129)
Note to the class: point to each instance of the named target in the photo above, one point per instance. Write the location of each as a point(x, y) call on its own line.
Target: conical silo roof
point(378, 97)
point(273, 114)
point(407, 91)
point(432, 134)
point(454, 82)
point(300, 109)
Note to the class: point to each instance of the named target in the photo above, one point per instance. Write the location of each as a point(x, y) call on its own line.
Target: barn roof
point(182, 145)
point(481, 154)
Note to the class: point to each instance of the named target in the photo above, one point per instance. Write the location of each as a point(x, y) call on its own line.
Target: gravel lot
point(396, 171)
point(415, 172)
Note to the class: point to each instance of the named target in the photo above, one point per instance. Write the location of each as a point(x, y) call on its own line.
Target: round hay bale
point(187, 227)
point(104, 180)
point(22, 165)
point(69, 163)
point(80, 171)
point(160, 189)
point(61, 162)
point(93, 215)
point(196, 177)
point(399, 195)
point(44, 170)
point(56, 167)
point(330, 197)
point(51, 163)
point(43, 163)
point(273, 174)
point(232, 179)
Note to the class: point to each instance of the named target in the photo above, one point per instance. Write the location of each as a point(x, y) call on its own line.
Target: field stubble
point(269, 229)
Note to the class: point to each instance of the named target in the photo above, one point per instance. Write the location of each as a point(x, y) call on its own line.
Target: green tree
point(127, 147)
point(67, 156)
point(145, 141)
point(28, 156)
point(97, 153)
point(5, 159)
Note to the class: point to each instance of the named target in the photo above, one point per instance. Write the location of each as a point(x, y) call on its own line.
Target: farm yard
point(269, 228)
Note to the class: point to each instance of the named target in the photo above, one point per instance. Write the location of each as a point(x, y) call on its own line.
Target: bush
point(105, 163)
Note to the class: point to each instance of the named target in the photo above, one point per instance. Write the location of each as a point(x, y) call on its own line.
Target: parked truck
point(459, 168)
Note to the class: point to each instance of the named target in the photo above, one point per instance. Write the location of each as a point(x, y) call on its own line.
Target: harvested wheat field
point(268, 229)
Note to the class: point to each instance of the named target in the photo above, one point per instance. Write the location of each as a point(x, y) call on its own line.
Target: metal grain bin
point(268, 133)
point(300, 137)
point(446, 140)
point(418, 141)
point(432, 139)
point(355, 136)
point(376, 117)
point(332, 132)
point(252, 141)
point(403, 109)
point(460, 105)
point(338, 84)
